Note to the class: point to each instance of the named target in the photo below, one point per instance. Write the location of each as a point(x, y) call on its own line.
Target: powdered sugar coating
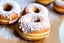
point(7, 33)
point(16, 9)
point(27, 23)
point(59, 2)
point(41, 8)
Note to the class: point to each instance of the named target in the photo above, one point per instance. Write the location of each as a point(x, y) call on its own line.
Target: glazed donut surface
point(44, 2)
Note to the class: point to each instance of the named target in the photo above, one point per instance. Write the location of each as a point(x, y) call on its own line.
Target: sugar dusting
point(8, 34)
point(16, 8)
point(27, 24)
point(53, 17)
point(59, 2)
point(42, 9)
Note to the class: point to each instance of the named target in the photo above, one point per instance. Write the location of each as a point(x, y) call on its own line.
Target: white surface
point(24, 3)
point(61, 32)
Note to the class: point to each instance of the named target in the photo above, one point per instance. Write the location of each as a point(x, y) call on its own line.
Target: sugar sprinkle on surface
point(8, 34)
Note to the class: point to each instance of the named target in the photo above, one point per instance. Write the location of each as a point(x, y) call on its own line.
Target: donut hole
point(36, 10)
point(7, 7)
point(37, 20)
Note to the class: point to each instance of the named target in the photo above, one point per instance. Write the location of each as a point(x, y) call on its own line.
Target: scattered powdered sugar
point(8, 34)
point(53, 17)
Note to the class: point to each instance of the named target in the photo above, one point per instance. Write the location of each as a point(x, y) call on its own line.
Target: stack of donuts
point(33, 22)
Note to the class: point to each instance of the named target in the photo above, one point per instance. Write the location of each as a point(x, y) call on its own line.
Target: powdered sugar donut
point(33, 26)
point(59, 6)
point(9, 12)
point(36, 8)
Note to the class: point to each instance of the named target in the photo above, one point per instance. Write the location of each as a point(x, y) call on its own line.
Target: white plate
point(61, 32)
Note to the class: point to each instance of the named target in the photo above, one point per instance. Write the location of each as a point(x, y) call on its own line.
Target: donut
point(9, 12)
point(33, 27)
point(36, 8)
point(44, 2)
point(58, 6)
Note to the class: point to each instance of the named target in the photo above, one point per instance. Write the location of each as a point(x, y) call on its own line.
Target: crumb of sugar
point(8, 34)
point(53, 17)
